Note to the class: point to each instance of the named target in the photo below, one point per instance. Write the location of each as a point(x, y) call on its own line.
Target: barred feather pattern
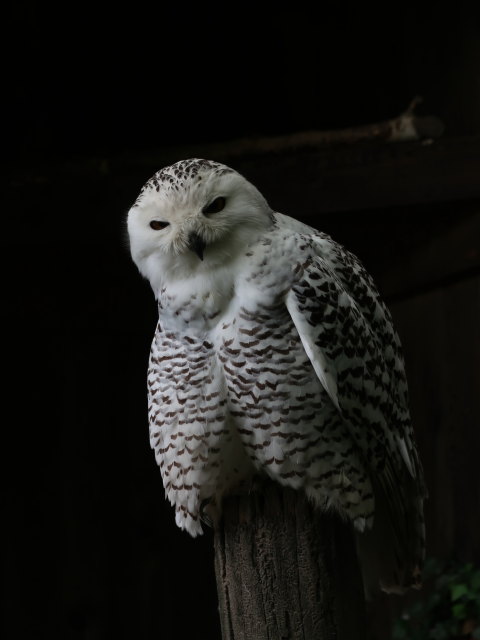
point(289, 365)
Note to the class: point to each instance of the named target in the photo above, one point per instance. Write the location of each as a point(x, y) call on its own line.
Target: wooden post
point(285, 570)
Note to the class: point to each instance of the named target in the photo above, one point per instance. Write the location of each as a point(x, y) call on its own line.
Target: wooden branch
point(406, 127)
point(285, 570)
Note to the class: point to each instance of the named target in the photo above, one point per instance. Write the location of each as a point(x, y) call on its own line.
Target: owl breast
point(232, 392)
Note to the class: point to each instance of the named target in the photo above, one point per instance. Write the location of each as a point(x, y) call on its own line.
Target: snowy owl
point(273, 355)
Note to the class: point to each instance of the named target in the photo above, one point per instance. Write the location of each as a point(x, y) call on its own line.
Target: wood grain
point(285, 570)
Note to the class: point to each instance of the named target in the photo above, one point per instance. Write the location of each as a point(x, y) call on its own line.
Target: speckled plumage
point(274, 355)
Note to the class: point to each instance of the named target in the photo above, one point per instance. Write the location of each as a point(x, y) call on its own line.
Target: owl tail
point(392, 552)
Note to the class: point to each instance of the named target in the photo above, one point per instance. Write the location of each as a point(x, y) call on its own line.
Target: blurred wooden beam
point(444, 258)
point(306, 182)
point(366, 177)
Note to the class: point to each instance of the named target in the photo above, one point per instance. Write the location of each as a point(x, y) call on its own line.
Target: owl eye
point(158, 224)
point(215, 206)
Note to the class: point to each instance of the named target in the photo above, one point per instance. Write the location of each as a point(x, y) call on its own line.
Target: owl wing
point(348, 335)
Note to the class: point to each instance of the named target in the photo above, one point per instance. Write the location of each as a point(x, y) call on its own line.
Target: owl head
point(191, 216)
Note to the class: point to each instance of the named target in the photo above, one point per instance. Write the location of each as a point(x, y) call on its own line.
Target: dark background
point(97, 80)
point(95, 101)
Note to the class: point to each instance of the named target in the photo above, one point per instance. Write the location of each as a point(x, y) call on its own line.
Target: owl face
point(192, 216)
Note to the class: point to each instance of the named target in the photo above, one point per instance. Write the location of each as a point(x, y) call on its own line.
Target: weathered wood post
point(285, 570)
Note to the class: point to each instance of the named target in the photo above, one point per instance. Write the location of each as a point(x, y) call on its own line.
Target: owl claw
point(207, 518)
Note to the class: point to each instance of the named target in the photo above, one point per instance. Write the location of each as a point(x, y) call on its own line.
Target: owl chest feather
point(250, 346)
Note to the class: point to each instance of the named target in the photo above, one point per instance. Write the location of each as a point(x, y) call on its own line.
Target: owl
point(273, 356)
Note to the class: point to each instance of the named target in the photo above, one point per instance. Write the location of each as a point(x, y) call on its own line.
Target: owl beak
point(196, 244)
